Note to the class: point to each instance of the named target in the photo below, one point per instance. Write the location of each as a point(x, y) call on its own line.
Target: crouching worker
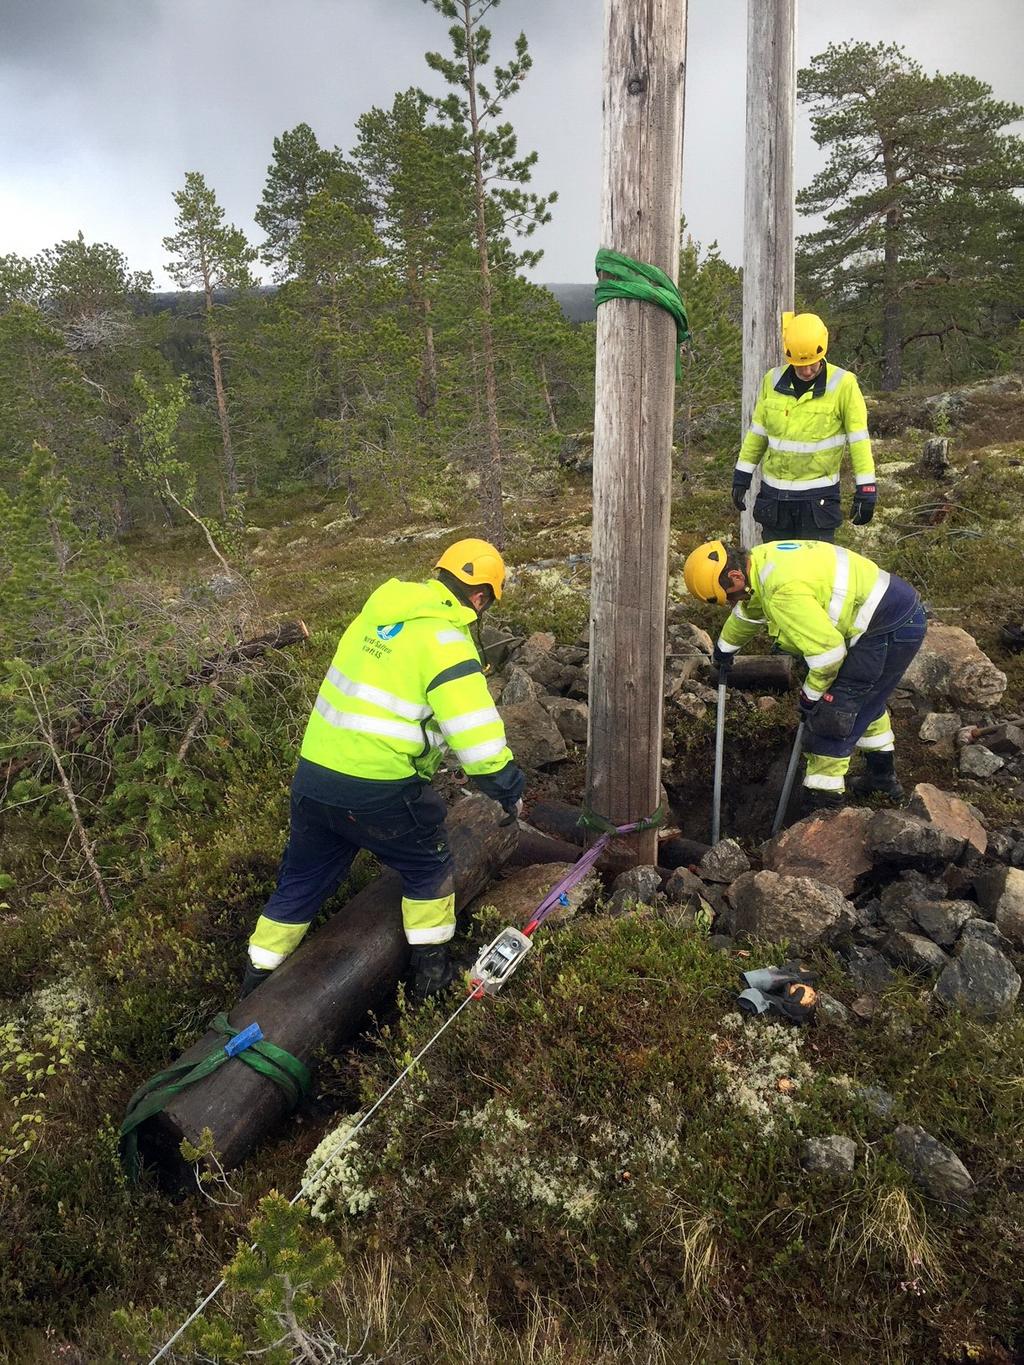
point(856, 626)
point(406, 682)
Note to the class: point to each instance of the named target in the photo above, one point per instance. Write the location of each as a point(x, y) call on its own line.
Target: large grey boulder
point(895, 838)
point(571, 716)
point(519, 687)
point(951, 667)
point(915, 953)
point(980, 980)
point(517, 896)
point(532, 735)
point(636, 886)
point(796, 910)
point(943, 921)
point(935, 1168)
point(1000, 891)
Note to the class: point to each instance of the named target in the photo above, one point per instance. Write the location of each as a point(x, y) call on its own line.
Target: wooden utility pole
point(768, 269)
point(644, 73)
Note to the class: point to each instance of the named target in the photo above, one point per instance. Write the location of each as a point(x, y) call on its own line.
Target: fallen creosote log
point(560, 819)
point(762, 673)
point(318, 999)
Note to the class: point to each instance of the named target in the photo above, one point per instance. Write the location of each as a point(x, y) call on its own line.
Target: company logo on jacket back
point(389, 632)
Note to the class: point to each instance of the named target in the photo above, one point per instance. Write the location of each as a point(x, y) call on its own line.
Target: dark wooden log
point(283, 635)
point(561, 820)
point(763, 673)
point(318, 999)
point(535, 847)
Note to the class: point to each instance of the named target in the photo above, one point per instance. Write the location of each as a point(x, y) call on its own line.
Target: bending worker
point(406, 682)
point(807, 412)
point(856, 626)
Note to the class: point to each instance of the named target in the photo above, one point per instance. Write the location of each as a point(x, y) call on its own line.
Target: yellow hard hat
point(804, 338)
point(702, 570)
point(476, 563)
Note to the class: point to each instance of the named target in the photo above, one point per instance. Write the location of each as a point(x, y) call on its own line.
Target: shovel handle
point(716, 794)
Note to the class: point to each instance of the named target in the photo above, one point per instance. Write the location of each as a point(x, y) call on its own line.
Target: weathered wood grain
point(644, 75)
point(768, 284)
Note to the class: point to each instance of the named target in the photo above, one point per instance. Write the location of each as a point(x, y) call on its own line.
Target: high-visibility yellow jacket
point(816, 600)
point(405, 684)
point(799, 442)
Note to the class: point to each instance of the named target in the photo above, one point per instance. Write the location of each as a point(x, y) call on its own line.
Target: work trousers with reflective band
point(870, 672)
point(406, 832)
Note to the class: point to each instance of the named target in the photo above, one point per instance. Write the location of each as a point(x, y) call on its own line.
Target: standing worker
point(857, 626)
point(807, 411)
point(406, 682)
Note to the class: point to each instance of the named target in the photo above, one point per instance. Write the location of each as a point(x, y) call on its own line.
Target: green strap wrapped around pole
point(633, 280)
point(267, 1058)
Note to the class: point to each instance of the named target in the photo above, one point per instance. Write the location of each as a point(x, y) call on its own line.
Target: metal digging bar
point(716, 798)
point(787, 786)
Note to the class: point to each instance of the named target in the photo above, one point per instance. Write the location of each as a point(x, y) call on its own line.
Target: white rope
point(328, 1158)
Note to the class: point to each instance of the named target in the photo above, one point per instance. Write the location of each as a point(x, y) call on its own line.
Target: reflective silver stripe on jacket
point(834, 379)
point(863, 618)
point(745, 466)
point(377, 696)
point(840, 585)
point(835, 655)
point(854, 436)
point(830, 481)
point(476, 753)
point(369, 725)
point(807, 447)
point(487, 715)
point(450, 637)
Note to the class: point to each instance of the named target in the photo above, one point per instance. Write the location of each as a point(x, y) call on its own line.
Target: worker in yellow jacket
point(857, 627)
point(807, 413)
point(405, 685)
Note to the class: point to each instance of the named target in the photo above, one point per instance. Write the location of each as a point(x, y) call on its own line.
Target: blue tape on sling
point(248, 1036)
point(563, 899)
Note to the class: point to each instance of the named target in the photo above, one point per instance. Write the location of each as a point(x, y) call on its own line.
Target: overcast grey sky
point(105, 104)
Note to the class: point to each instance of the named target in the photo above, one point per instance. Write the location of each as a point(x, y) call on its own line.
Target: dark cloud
point(106, 103)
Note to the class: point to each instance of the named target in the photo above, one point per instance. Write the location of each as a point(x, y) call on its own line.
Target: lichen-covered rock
point(895, 838)
point(828, 1156)
point(915, 953)
point(571, 717)
point(980, 980)
point(950, 666)
point(829, 847)
point(1000, 891)
point(724, 862)
point(636, 886)
point(532, 735)
point(977, 761)
point(943, 921)
point(935, 1167)
point(796, 910)
point(519, 687)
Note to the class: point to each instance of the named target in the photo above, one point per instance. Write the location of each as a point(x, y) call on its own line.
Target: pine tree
point(922, 222)
point(417, 178)
point(300, 169)
point(500, 204)
point(210, 256)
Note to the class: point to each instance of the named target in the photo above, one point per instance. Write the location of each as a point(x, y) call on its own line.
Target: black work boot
point(880, 778)
point(432, 969)
point(254, 976)
point(814, 800)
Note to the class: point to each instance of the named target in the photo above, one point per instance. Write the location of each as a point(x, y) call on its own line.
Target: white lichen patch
point(63, 1008)
point(334, 1181)
point(760, 1070)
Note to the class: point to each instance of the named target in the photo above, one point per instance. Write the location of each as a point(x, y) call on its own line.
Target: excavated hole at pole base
point(753, 772)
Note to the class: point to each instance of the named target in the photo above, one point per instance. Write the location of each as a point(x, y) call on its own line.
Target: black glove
point(254, 976)
point(807, 704)
point(722, 660)
point(863, 506)
point(432, 970)
point(505, 786)
point(740, 487)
